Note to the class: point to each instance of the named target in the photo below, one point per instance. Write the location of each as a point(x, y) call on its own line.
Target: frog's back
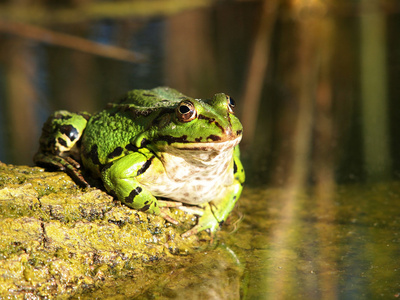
point(158, 97)
point(112, 130)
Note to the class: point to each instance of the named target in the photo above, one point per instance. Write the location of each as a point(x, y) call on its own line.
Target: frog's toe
point(166, 217)
point(77, 177)
point(49, 161)
point(166, 203)
point(205, 223)
point(190, 232)
point(194, 210)
point(72, 162)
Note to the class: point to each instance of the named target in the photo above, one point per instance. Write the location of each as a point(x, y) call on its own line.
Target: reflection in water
point(309, 80)
point(374, 92)
point(346, 251)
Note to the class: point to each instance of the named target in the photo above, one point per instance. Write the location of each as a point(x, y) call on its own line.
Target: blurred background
point(315, 81)
point(316, 84)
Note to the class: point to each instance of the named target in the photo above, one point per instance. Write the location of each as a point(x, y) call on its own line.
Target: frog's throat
point(195, 176)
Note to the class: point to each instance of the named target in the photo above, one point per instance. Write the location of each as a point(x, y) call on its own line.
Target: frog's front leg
point(216, 212)
point(120, 178)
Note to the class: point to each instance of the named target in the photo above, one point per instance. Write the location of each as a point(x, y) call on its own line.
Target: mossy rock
point(58, 239)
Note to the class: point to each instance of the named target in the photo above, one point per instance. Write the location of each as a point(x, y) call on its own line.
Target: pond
point(316, 87)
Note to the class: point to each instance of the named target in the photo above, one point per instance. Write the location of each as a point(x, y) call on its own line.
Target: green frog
point(155, 144)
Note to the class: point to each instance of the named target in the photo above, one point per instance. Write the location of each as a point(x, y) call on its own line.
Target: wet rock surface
point(59, 240)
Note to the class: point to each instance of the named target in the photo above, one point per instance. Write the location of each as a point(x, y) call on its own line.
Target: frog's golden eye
point(186, 111)
point(231, 104)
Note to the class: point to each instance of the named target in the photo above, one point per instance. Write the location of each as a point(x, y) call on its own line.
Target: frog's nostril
point(228, 131)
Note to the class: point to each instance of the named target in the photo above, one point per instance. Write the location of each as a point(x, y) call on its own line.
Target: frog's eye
point(186, 111)
point(231, 104)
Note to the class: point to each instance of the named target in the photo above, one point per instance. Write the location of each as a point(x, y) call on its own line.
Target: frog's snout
point(228, 132)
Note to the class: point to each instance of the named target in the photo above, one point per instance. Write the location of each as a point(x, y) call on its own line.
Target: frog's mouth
point(228, 139)
point(208, 146)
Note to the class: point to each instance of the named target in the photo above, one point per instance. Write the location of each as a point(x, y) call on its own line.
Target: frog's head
point(194, 124)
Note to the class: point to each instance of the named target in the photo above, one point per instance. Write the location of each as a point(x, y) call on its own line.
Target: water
point(286, 244)
point(344, 245)
point(317, 92)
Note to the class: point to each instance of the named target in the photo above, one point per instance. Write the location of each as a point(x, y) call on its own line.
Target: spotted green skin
point(142, 148)
point(58, 143)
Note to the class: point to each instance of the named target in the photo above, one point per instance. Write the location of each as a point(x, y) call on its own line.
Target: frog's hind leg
point(72, 170)
point(58, 143)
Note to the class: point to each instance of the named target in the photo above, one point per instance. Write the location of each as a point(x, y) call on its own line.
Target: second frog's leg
point(120, 179)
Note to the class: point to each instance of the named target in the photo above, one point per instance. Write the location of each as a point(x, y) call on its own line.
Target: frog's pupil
point(183, 109)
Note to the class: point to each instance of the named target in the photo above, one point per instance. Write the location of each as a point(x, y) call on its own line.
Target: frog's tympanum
point(154, 143)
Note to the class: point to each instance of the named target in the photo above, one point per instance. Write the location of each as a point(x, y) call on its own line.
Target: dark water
point(317, 92)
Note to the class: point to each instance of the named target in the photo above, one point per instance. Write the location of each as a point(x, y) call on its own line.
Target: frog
point(152, 150)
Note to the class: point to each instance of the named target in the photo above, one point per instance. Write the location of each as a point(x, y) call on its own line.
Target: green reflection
point(348, 252)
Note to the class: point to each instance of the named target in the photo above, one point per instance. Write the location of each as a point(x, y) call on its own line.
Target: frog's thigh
point(120, 178)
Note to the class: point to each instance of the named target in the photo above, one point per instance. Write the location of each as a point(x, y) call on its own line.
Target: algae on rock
point(57, 239)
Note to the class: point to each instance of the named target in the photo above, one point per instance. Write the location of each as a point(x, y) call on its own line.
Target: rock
point(57, 239)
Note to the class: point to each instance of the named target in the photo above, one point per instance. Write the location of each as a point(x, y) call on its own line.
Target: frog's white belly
point(194, 176)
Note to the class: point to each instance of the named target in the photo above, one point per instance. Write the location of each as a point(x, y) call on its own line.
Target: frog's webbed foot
point(212, 226)
point(65, 164)
point(165, 205)
point(207, 221)
point(216, 212)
